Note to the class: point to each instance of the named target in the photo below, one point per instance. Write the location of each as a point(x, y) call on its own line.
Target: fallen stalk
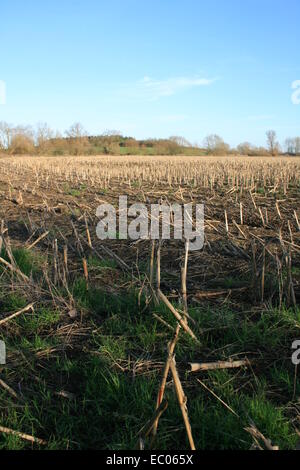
point(176, 314)
point(38, 240)
point(182, 400)
point(16, 314)
point(147, 428)
point(196, 367)
point(218, 398)
point(14, 269)
point(8, 389)
point(26, 437)
point(162, 387)
point(256, 434)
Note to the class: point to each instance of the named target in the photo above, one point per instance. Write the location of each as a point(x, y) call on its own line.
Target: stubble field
point(101, 334)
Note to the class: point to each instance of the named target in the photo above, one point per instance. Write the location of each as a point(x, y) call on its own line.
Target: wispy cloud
point(151, 89)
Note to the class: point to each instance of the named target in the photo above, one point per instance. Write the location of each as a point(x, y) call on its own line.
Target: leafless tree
point(292, 145)
point(246, 148)
point(297, 145)
point(215, 145)
point(43, 136)
point(6, 131)
point(182, 141)
point(78, 138)
point(76, 131)
point(22, 140)
point(273, 145)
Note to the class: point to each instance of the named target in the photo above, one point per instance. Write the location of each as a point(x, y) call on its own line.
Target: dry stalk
point(183, 279)
point(8, 389)
point(176, 314)
point(253, 201)
point(291, 233)
point(21, 435)
point(218, 398)
point(226, 222)
point(158, 257)
point(278, 210)
point(263, 270)
point(149, 426)
point(239, 229)
point(297, 221)
point(88, 232)
point(257, 435)
point(38, 240)
point(152, 262)
point(182, 400)
point(55, 261)
point(16, 314)
point(85, 269)
point(14, 269)
point(241, 214)
point(161, 391)
point(163, 322)
point(261, 216)
point(203, 366)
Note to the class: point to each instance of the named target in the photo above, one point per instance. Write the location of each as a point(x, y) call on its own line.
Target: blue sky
point(153, 68)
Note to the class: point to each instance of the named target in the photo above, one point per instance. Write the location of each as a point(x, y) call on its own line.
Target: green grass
point(75, 192)
point(27, 261)
point(219, 428)
point(99, 264)
point(114, 387)
point(40, 322)
point(12, 301)
point(295, 270)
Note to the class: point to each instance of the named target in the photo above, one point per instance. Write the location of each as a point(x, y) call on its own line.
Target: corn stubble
point(250, 256)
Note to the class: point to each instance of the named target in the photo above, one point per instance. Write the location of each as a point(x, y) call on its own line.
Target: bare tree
point(76, 131)
point(289, 145)
point(182, 141)
point(22, 140)
point(292, 145)
point(273, 145)
point(78, 138)
point(6, 131)
point(297, 145)
point(246, 148)
point(215, 145)
point(43, 136)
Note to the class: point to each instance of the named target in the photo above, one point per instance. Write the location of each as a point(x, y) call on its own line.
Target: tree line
point(42, 140)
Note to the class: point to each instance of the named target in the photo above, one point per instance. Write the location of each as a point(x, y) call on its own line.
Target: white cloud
point(151, 89)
